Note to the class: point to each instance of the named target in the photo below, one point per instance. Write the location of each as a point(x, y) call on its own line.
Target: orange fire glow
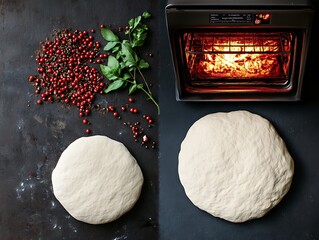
point(237, 58)
point(240, 65)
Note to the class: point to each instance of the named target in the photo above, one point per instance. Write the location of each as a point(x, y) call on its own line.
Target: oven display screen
point(231, 18)
point(256, 19)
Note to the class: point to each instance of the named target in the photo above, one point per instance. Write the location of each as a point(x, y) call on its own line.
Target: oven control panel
point(241, 18)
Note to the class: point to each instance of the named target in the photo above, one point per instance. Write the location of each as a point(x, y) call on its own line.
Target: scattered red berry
point(131, 100)
point(85, 121)
point(111, 108)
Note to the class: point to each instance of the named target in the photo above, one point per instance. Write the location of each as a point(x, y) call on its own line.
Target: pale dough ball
point(234, 165)
point(97, 180)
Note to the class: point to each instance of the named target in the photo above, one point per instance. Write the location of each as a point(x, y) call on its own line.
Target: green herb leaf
point(132, 89)
point(111, 74)
point(126, 76)
point(131, 23)
point(139, 85)
point(137, 21)
point(146, 14)
point(122, 65)
point(110, 45)
point(137, 43)
point(129, 56)
point(135, 87)
point(115, 49)
point(112, 62)
point(105, 70)
point(108, 35)
point(142, 28)
point(112, 71)
point(114, 86)
point(143, 64)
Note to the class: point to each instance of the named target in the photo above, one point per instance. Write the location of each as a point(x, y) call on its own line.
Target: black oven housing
point(190, 15)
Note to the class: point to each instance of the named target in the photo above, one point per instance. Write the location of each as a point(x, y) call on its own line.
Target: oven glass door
point(251, 61)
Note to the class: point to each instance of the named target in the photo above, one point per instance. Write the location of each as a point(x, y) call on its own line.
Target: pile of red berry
point(64, 73)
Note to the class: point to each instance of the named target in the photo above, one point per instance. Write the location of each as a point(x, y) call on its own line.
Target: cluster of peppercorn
point(64, 73)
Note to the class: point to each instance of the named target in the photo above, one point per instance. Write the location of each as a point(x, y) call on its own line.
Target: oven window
point(246, 58)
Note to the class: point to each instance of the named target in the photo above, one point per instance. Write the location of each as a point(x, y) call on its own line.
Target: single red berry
point(39, 102)
point(102, 26)
point(127, 27)
point(131, 100)
point(115, 114)
point(88, 131)
point(135, 110)
point(123, 108)
point(85, 121)
point(31, 78)
point(92, 31)
point(150, 121)
point(147, 118)
point(132, 110)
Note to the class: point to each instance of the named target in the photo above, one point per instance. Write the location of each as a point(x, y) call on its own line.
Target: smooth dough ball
point(234, 165)
point(97, 180)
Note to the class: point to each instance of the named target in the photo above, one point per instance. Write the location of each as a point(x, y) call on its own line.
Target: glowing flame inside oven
point(233, 58)
point(240, 65)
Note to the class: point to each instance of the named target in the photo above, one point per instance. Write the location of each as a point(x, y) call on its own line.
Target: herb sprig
point(124, 67)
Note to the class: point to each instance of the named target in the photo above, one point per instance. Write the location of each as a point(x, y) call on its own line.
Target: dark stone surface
point(297, 216)
point(32, 137)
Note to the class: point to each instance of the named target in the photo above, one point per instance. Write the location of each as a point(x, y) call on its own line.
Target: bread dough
point(97, 180)
point(234, 165)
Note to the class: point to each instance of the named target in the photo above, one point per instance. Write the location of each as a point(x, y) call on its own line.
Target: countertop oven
point(227, 50)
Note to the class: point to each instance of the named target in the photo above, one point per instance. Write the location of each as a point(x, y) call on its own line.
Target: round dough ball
point(234, 165)
point(97, 180)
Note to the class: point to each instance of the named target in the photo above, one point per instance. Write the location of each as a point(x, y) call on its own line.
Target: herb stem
point(134, 75)
point(150, 96)
point(148, 88)
point(148, 93)
point(152, 99)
